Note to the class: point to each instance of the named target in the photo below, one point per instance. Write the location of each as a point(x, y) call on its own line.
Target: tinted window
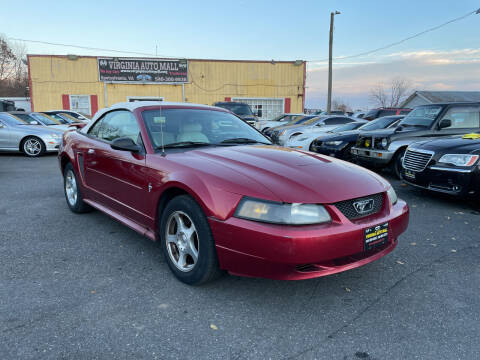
point(180, 125)
point(463, 117)
point(386, 112)
point(44, 119)
point(24, 117)
point(404, 112)
point(371, 114)
point(380, 123)
point(116, 124)
point(338, 121)
point(236, 108)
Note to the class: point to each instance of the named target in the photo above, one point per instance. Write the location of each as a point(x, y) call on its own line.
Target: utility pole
point(330, 45)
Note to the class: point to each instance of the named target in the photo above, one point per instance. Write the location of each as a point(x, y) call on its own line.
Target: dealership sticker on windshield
point(376, 236)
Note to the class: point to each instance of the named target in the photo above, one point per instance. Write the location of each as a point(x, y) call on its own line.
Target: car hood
point(455, 145)
point(391, 132)
point(281, 174)
point(341, 136)
point(288, 127)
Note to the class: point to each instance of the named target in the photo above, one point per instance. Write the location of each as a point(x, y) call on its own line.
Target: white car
point(304, 140)
point(283, 119)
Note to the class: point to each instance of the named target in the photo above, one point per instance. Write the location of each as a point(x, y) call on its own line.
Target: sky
point(444, 59)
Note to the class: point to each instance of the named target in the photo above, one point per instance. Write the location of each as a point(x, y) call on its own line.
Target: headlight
point(392, 196)
point(384, 143)
point(459, 159)
point(281, 213)
point(56, 136)
point(333, 143)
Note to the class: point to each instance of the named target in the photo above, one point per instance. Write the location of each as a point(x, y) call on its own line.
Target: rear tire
point(32, 146)
point(187, 242)
point(72, 191)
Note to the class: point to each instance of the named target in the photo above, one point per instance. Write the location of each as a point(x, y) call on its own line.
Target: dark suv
point(242, 110)
point(387, 147)
point(380, 112)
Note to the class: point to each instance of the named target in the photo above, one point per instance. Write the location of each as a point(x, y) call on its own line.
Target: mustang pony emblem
point(363, 206)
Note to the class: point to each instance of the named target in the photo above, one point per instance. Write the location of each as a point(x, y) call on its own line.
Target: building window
point(266, 108)
point(81, 104)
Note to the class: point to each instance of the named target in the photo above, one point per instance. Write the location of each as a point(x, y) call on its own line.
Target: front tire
point(187, 242)
point(397, 164)
point(72, 191)
point(33, 146)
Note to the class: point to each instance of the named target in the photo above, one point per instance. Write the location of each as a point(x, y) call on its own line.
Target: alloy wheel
point(32, 147)
point(182, 241)
point(71, 188)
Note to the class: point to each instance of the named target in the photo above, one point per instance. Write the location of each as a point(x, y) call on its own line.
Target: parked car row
point(34, 133)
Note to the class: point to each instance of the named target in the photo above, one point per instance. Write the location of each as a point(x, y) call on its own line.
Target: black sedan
point(449, 165)
point(339, 144)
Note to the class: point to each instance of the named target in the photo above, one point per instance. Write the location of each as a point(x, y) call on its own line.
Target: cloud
point(426, 69)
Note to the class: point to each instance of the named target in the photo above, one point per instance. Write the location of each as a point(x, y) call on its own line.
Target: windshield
point(380, 123)
point(236, 108)
point(422, 116)
point(198, 127)
point(44, 119)
point(347, 127)
point(69, 119)
point(58, 118)
point(312, 120)
point(25, 118)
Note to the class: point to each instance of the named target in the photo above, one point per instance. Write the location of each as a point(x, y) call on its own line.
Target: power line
point(89, 48)
point(403, 40)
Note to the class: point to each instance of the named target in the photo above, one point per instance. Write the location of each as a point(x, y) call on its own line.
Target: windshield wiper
point(182, 144)
point(242, 140)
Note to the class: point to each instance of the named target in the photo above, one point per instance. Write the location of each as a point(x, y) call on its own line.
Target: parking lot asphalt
point(84, 286)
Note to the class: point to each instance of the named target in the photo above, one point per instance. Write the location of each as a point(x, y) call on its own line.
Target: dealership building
point(88, 83)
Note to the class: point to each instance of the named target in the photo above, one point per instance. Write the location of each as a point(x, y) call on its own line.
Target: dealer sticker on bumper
point(376, 236)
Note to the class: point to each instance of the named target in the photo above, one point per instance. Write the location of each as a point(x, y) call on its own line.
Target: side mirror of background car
point(445, 123)
point(126, 144)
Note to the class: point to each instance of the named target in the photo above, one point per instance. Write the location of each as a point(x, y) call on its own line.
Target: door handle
point(91, 151)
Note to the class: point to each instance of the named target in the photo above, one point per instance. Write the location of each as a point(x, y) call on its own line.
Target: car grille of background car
point(346, 207)
point(416, 161)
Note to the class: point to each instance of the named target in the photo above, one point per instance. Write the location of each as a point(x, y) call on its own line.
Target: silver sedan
point(33, 140)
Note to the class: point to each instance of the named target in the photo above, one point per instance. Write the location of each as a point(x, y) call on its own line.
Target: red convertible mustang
point(219, 196)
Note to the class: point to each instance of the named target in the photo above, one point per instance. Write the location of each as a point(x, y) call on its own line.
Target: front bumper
point(256, 249)
point(372, 157)
point(336, 152)
point(448, 180)
point(51, 144)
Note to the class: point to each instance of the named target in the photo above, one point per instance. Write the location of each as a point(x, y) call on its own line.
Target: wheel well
point(25, 138)
point(64, 161)
point(401, 148)
point(166, 196)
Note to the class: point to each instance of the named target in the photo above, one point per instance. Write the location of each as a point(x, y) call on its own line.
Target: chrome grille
point(347, 208)
point(415, 160)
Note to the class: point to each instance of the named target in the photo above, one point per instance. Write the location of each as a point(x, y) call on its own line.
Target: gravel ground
point(84, 286)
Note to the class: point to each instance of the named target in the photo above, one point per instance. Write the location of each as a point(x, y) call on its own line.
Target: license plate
point(409, 174)
point(376, 236)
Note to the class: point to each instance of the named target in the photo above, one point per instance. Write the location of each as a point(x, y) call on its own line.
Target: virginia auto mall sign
point(142, 70)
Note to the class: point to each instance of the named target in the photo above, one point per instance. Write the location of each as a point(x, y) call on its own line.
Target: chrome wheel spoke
point(182, 241)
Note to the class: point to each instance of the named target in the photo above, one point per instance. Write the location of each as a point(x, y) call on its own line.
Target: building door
point(265, 107)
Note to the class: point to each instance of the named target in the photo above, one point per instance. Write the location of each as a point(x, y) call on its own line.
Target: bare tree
point(13, 69)
point(391, 95)
point(338, 104)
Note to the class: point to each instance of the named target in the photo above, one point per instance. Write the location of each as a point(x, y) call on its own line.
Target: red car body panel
point(129, 187)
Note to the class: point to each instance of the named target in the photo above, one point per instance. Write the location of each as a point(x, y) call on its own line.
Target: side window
point(386, 112)
point(463, 117)
point(404, 112)
point(117, 124)
point(337, 121)
point(93, 131)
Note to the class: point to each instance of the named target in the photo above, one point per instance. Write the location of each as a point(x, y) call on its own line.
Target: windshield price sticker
point(376, 236)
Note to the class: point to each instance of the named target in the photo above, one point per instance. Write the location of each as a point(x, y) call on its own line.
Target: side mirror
point(34, 122)
point(445, 123)
point(125, 144)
